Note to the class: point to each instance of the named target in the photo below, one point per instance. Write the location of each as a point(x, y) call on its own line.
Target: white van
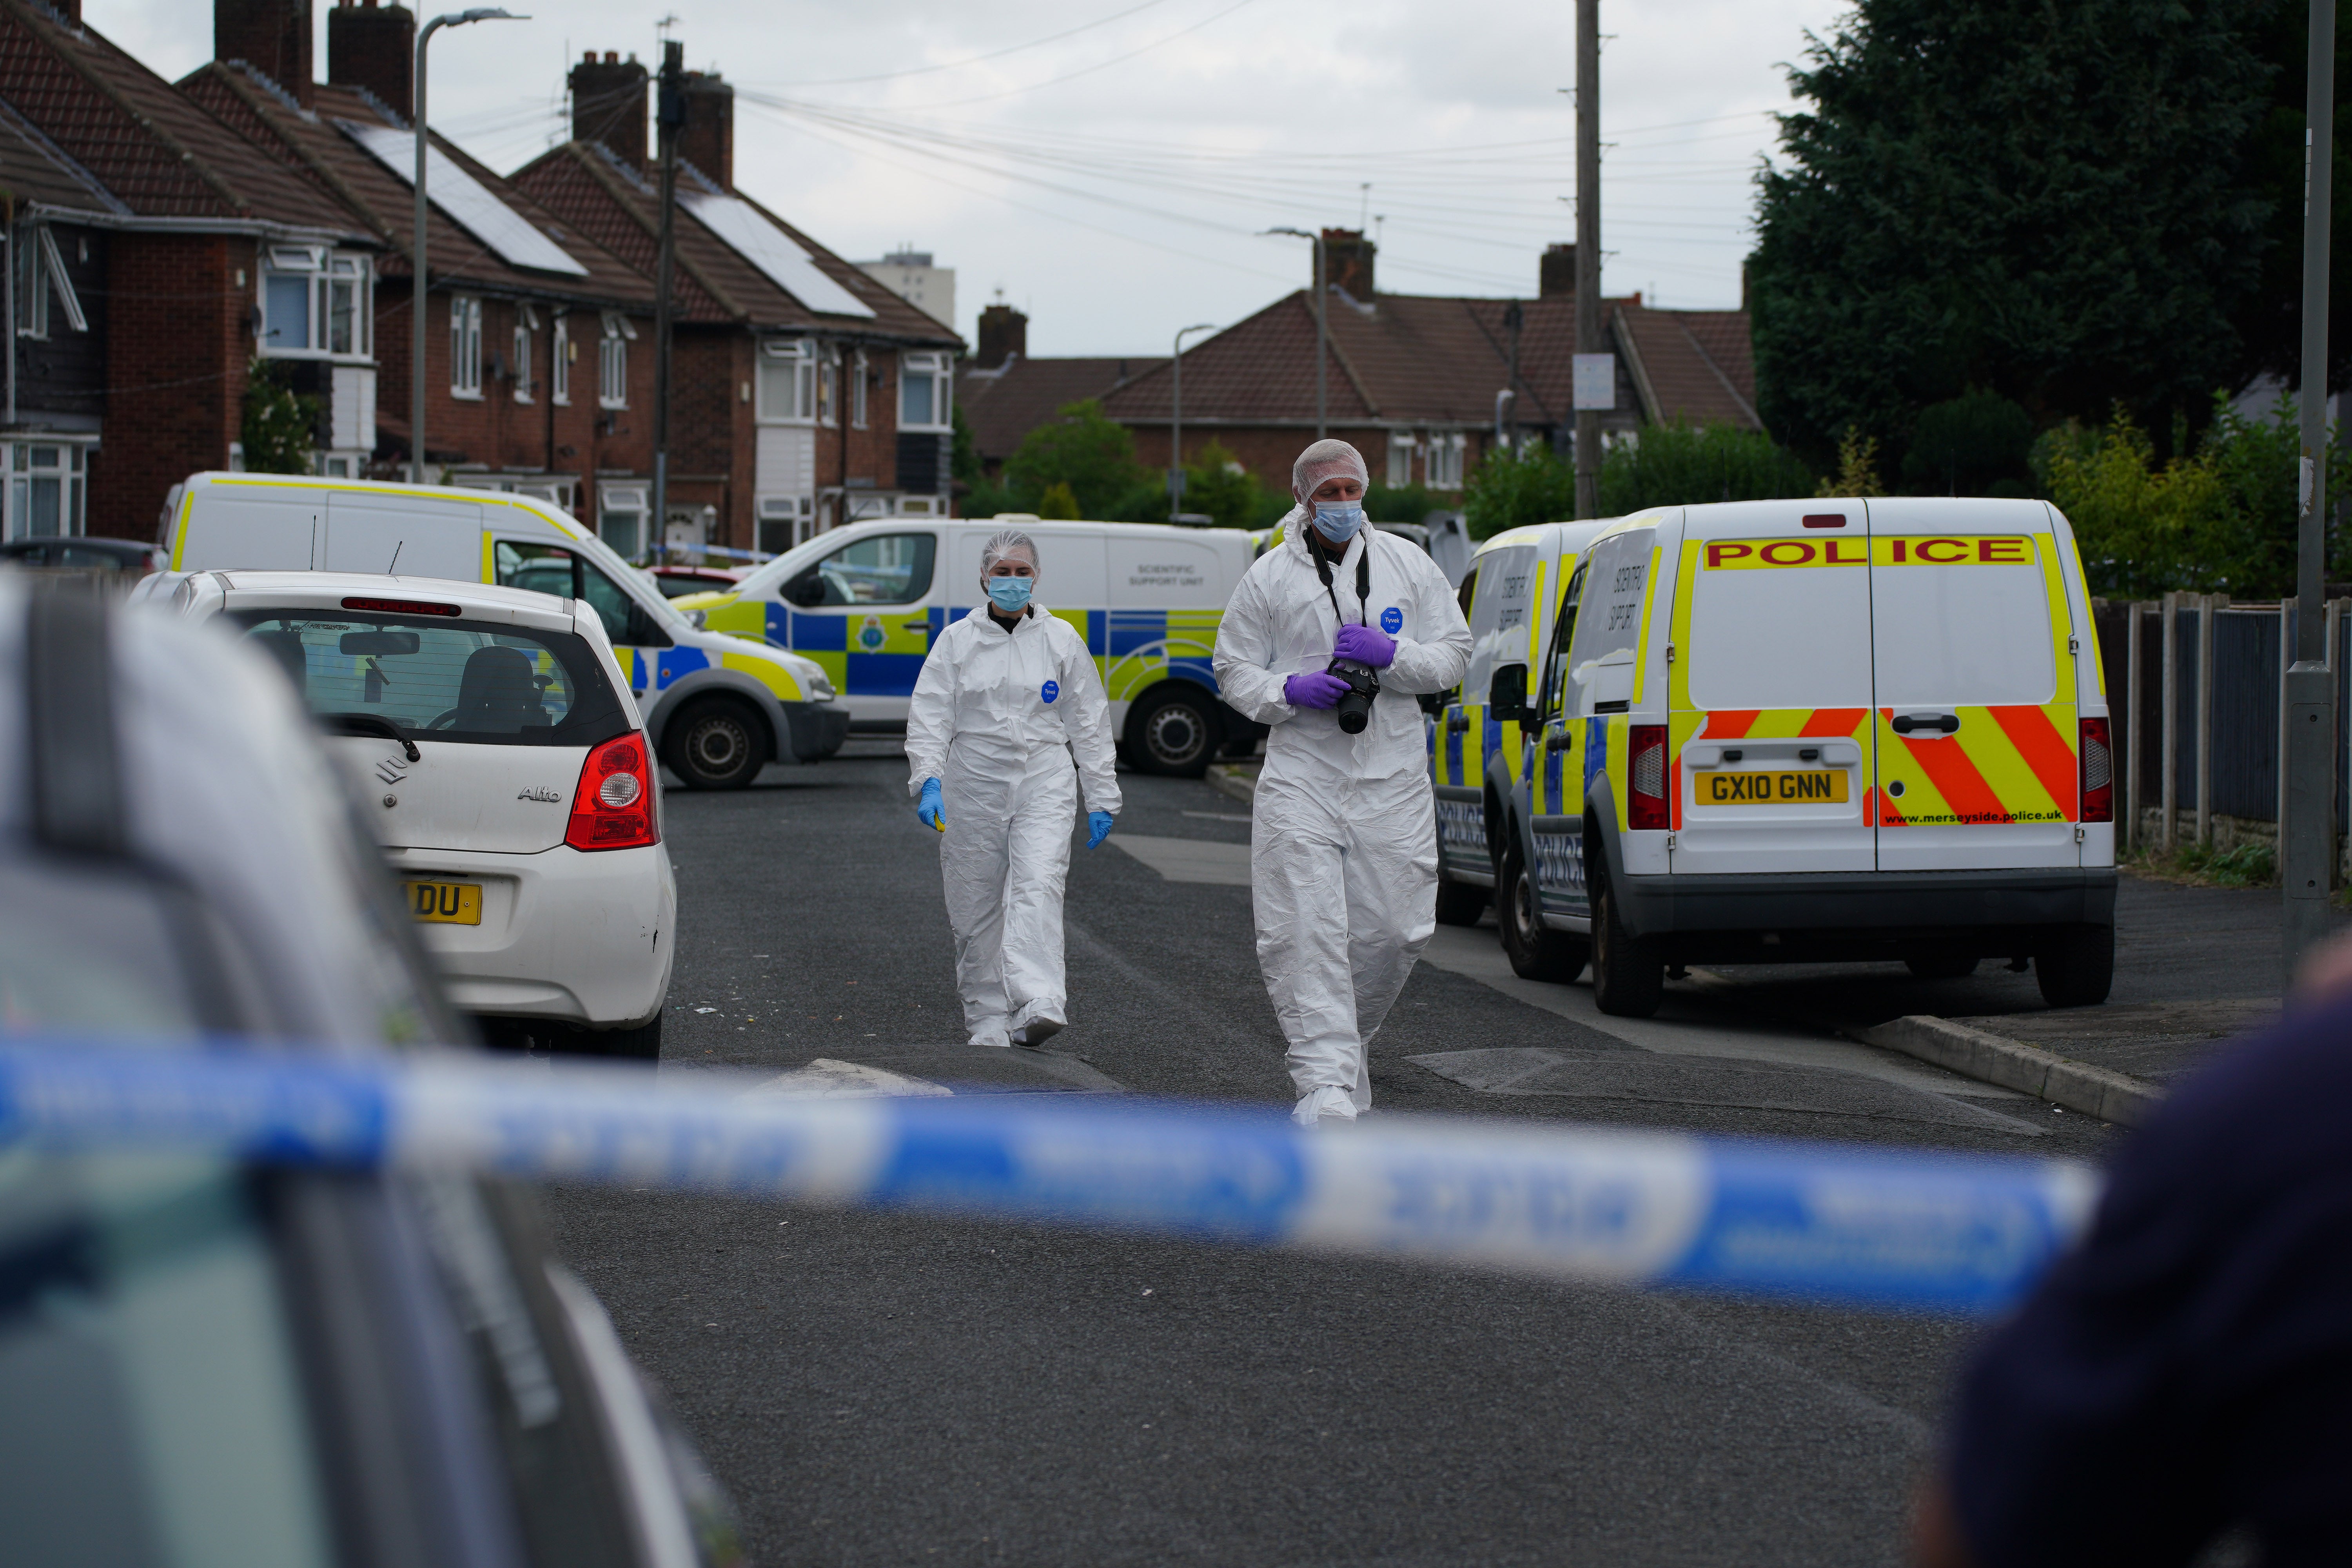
point(865, 602)
point(717, 710)
point(1810, 730)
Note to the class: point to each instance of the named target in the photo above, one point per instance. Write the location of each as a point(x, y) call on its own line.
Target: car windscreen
point(478, 682)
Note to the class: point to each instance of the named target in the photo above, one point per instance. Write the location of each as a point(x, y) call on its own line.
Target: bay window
point(316, 302)
point(923, 392)
point(787, 382)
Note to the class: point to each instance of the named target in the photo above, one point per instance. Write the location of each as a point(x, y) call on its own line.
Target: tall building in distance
point(908, 273)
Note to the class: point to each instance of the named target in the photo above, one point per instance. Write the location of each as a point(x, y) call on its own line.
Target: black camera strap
point(1363, 579)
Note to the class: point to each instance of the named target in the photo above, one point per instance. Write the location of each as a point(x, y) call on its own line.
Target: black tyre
point(2078, 968)
point(1941, 965)
point(642, 1044)
point(1535, 949)
point(1171, 735)
point(715, 742)
point(1459, 904)
point(1628, 978)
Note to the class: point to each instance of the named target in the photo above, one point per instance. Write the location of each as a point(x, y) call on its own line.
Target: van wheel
point(1628, 978)
point(2078, 968)
point(1459, 904)
point(1942, 965)
point(714, 744)
point(1173, 737)
point(1535, 949)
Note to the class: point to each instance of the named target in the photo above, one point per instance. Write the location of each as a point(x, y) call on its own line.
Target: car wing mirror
point(1506, 695)
point(806, 592)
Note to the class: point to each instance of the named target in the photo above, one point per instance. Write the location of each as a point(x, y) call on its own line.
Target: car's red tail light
point(613, 809)
point(1646, 776)
point(2098, 773)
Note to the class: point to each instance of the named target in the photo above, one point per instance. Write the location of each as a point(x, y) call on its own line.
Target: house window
point(314, 302)
point(784, 521)
point(45, 488)
point(561, 355)
point(828, 385)
point(42, 282)
point(1399, 459)
point(621, 519)
point(923, 392)
point(526, 328)
point(465, 346)
point(787, 381)
point(859, 373)
point(1446, 460)
point(612, 361)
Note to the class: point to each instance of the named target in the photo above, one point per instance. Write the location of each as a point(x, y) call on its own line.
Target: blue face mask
point(1010, 594)
point(1337, 520)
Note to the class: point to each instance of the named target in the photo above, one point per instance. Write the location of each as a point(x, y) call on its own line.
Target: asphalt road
point(885, 1390)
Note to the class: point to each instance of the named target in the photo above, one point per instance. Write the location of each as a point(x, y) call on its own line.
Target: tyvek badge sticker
point(1392, 620)
point(871, 636)
point(1050, 690)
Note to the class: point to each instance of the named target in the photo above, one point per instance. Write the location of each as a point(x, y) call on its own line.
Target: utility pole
point(1176, 421)
point(1587, 244)
point(2309, 832)
point(669, 118)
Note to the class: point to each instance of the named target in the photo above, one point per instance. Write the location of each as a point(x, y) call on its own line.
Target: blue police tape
point(1926, 1232)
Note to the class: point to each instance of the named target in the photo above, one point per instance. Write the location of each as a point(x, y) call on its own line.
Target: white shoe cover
point(1329, 1102)
point(1036, 1031)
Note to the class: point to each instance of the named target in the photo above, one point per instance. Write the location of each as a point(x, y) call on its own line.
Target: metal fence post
point(2134, 709)
point(2170, 632)
point(2288, 609)
point(2205, 613)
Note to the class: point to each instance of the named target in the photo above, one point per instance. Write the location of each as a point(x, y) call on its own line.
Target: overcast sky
point(1107, 165)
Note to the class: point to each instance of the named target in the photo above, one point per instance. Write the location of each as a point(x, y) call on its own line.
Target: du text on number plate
point(446, 903)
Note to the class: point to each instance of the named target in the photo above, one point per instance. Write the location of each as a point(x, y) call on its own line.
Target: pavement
point(880, 1389)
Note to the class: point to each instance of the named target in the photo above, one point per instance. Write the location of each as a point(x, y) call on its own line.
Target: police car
point(201, 1361)
point(501, 762)
point(1801, 730)
point(717, 711)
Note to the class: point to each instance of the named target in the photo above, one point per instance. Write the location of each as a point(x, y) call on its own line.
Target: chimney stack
point(1556, 273)
point(373, 47)
point(708, 139)
point(273, 36)
point(609, 105)
point(1347, 262)
point(1003, 336)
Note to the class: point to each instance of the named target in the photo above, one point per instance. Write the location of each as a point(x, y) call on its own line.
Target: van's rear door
point(1976, 722)
point(411, 535)
point(1771, 686)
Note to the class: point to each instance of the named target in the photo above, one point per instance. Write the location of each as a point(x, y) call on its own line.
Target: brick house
point(539, 347)
point(1005, 394)
point(139, 232)
point(808, 394)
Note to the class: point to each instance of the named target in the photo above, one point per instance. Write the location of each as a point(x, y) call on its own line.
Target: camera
point(1354, 710)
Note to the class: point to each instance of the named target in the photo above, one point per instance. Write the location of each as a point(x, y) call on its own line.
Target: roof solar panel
point(750, 236)
point(465, 200)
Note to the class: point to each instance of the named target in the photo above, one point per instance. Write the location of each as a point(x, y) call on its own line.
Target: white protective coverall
point(996, 718)
point(1343, 837)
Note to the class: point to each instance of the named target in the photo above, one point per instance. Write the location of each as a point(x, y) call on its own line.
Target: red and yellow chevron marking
point(2006, 765)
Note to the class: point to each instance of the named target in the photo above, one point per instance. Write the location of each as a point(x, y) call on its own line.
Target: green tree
point(1509, 490)
point(1683, 465)
point(2269, 317)
point(1083, 451)
point(1217, 486)
point(963, 457)
point(2045, 201)
point(1973, 445)
point(279, 428)
point(1059, 502)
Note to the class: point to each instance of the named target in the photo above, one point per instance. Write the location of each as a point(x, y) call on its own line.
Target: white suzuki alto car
point(501, 762)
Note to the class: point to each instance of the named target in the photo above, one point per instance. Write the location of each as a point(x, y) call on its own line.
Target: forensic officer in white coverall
point(1006, 698)
point(1343, 839)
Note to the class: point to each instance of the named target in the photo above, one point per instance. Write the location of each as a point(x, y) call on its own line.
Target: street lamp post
point(416, 258)
point(1176, 421)
point(1322, 328)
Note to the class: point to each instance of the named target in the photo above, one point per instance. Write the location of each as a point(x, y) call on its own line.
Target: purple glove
point(1313, 688)
point(1365, 645)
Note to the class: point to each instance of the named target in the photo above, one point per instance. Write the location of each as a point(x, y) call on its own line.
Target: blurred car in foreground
point(503, 765)
point(125, 559)
point(207, 1363)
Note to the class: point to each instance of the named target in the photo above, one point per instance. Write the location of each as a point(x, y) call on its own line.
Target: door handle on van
point(922, 626)
point(1942, 723)
point(1563, 740)
point(1458, 723)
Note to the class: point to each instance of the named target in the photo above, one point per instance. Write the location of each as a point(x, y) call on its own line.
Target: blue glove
point(1366, 645)
point(928, 808)
point(1098, 828)
point(1313, 688)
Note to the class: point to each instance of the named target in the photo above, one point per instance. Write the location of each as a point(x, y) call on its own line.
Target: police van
point(717, 710)
point(1475, 749)
point(866, 602)
point(1808, 730)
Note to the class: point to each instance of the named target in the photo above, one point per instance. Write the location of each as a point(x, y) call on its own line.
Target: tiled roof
point(1003, 405)
point(158, 151)
point(35, 169)
point(344, 173)
point(618, 205)
point(1413, 359)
